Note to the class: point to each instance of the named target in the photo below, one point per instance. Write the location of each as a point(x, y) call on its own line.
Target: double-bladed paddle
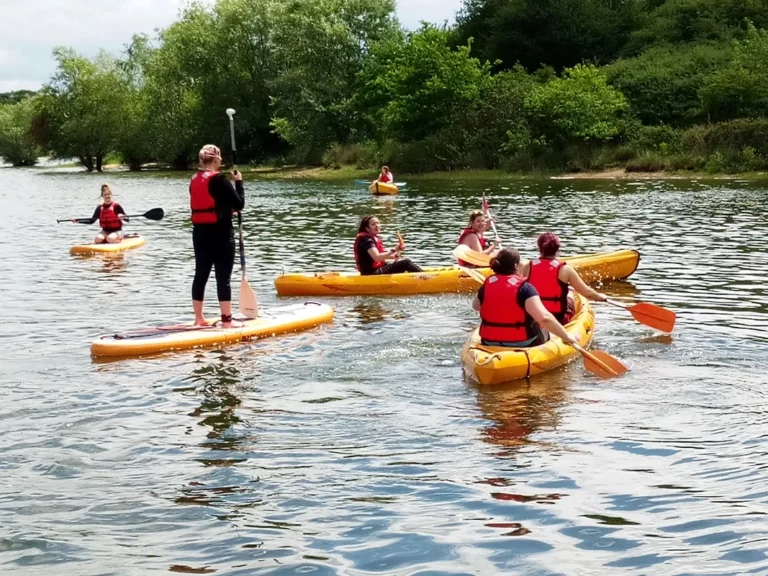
point(652, 315)
point(249, 306)
point(154, 214)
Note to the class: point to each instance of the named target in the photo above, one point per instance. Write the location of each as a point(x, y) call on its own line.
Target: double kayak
point(382, 188)
point(592, 268)
point(128, 242)
point(156, 339)
point(495, 364)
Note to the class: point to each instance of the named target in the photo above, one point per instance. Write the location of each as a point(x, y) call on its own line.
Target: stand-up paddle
point(154, 214)
point(249, 306)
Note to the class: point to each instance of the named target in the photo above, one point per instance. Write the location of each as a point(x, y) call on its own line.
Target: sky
point(30, 29)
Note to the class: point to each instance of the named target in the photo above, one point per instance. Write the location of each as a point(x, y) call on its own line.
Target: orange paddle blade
point(656, 317)
point(601, 363)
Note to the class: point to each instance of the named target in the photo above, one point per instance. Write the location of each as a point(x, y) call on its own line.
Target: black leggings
point(213, 250)
point(398, 267)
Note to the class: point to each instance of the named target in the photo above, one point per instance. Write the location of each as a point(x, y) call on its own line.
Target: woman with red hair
point(552, 279)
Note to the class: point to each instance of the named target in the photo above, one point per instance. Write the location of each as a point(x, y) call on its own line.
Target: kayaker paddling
point(511, 311)
point(110, 216)
point(386, 176)
point(472, 236)
point(370, 256)
point(552, 279)
point(213, 199)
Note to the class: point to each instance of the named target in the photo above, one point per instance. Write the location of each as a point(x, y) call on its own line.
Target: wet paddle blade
point(656, 317)
point(465, 253)
point(603, 364)
point(249, 306)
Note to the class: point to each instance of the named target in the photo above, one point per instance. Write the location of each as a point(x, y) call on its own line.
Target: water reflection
point(516, 411)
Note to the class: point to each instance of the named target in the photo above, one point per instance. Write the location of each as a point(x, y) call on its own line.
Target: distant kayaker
point(386, 176)
point(110, 216)
point(552, 279)
point(511, 312)
point(213, 199)
point(472, 236)
point(370, 256)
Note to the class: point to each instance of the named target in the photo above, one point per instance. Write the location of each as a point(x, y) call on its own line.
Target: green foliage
point(17, 145)
point(559, 33)
point(320, 48)
point(413, 89)
point(82, 107)
point(580, 106)
point(688, 21)
point(15, 96)
point(741, 88)
point(663, 84)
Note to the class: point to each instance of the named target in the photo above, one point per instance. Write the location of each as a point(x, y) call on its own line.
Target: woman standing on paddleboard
point(213, 199)
point(110, 216)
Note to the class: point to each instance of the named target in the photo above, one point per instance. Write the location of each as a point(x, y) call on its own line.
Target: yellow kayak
point(380, 188)
point(494, 364)
point(164, 338)
point(127, 243)
point(593, 268)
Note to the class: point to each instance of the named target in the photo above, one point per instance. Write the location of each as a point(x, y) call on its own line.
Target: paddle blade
point(465, 253)
point(249, 306)
point(603, 364)
point(155, 214)
point(658, 318)
point(474, 274)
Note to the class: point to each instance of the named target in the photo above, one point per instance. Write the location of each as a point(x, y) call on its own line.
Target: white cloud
point(31, 29)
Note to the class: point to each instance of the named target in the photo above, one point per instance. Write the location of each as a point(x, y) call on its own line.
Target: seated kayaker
point(511, 312)
point(110, 216)
point(370, 256)
point(386, 176)
point(472, 236)
point(552, 279)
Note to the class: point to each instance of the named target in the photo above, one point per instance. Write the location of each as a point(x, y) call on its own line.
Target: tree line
point(514, 84)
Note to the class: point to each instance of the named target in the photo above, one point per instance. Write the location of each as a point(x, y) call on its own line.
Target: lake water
point(359, 448)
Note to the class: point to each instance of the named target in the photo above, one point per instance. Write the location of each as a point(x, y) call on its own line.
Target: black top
point(227, 198)
point(118, 210)
point(364, 260)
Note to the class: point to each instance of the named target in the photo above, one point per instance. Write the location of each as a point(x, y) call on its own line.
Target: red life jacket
point(379, 247)
point(502, 318)
point(108, 220)
point(200, 200)
point(387, 178)
point(544, 277)
point(464, 234)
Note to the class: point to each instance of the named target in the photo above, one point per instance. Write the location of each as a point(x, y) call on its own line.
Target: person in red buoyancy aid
point(553, 279)
point(212, 200)
point(511, 312)
point(386, 175)
point(110, 216)
point(472, 236)
point(370, 256)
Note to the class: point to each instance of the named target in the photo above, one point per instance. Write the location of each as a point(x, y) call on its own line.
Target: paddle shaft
point(239, 214)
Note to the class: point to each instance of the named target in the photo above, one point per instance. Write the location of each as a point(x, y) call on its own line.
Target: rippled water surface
point(359, 448)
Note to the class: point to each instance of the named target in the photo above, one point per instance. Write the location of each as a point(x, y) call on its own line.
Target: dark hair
point(474, 215)
point(364, 223)
point(549, 244)
point(505, 262)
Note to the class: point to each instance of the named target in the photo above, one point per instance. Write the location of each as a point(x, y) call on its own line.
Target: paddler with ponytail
point(472, 236)
point(212, 200)
point(552, 279)
point(370, 256)
point(511, 311)
point(110, 216)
